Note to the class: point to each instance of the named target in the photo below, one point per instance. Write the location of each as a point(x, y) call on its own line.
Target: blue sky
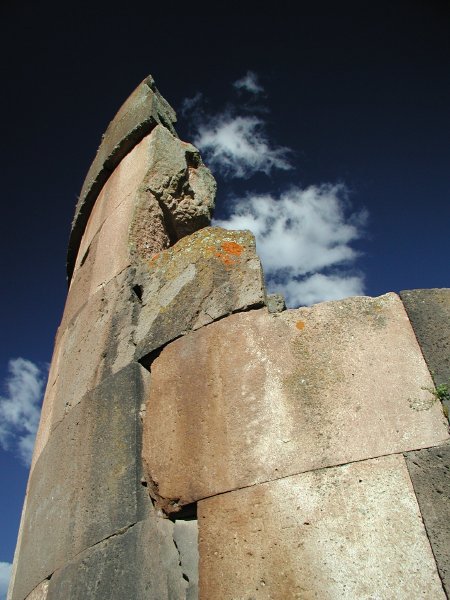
point(327, 132)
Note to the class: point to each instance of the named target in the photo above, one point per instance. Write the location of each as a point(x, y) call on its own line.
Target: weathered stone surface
point(348, 532)
point(183, 186)
point(40, 592)
point(430, 474)
point(143, 110)
point(208, 275)
point(256, 396)
point(429, 312)
point(185, 536)
point(96, 343)
point(86, 484)
point(159, 193)
point(141, 563)
point(275, 303)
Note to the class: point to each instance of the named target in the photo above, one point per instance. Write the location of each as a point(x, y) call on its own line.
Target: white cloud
point(298, 235)
point(237, 146)
point(249, 82)
point(188, 104)
point(320, 287)
point(5, 574)
point(20, 408)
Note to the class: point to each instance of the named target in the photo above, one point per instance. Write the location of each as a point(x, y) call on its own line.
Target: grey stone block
point(429, 313)
point(140, 113)
point(430, 474)
point(203, 277)
point(141, 563)
point(86, 484)
point(185, 535)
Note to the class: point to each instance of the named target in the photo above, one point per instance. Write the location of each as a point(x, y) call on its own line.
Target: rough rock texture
point(204, 277)
point(275, 303)
point(256, 396)
point(178, 179)
point(350, 532)
point(430, 473)
point(429, 312)
point(185, 536)
point(141, 563)
point(141, 112)
point(86, 484)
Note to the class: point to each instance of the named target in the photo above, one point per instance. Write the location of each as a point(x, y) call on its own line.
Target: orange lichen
point(232, 248)
point(300, 324)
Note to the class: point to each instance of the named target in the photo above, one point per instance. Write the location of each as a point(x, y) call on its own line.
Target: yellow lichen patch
point(300, 325)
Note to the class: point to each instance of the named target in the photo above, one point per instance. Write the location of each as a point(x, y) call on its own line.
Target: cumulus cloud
point(20, 407)
point(238, 146)
point(5, 573)
point(304, 239)
point(249, 83)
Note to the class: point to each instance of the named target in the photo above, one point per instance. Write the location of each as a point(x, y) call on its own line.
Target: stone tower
point(197, 440)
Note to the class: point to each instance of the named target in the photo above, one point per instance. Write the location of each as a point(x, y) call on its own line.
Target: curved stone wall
point(310, 444)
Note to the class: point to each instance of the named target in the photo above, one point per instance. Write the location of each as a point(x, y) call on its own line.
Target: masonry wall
point(196, 439)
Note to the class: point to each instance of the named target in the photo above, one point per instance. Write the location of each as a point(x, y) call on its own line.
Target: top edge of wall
point(141, 112)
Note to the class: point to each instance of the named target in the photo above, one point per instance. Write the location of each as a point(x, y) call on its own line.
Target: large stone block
point(430, 474)
point(86, 484)
point(210, 274)
point(142, 111)
point(346, 533)
point(141, 563)
point(429, 312)
point(259, 396)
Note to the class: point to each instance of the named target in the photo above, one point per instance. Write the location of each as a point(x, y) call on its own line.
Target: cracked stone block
point(205, 276)
point(347, 532)
point(86, 484)
point(430, 474)
point(185, 535)
point(141, 563)
point(258, 396)
point(141, 112)
point(429, 313)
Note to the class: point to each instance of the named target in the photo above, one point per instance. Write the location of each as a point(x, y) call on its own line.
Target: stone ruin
point(197, 440)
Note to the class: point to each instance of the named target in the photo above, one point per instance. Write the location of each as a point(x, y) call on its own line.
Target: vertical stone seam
point(425, 526)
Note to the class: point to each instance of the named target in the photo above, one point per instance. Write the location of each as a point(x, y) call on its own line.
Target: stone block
point(429, 313)
point(203, 277)
point(141, 563)
point(141, 112)
point(348, 532)
point(86, 484)
point(430, 474)
point(96, 343)
point(259, 396)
